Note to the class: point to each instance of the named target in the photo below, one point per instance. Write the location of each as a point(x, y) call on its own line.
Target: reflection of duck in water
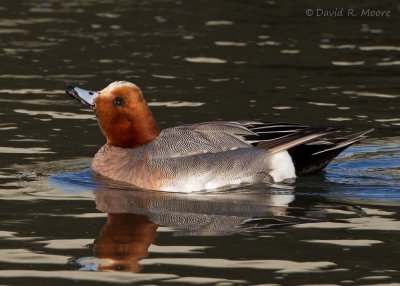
point(196, 214)
point(201, 156)
point(135, 215)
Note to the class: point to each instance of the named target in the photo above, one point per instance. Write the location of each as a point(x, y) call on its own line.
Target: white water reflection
point(31, 91)
point(268, 43)
point(282, 107)
point(195, 280)
point(321, 103)
point(19, 76)
point(55, 114)
point(24, 256)
point(370, 94)
point(219, 79)
point(181, 249)
point(339, 119)
point(31, 150)
point(10, 235)
point(326, 46)
point(219, 23)
point(387, 119)
point(346, 242)
point(13, 31)
point(205, 60)
point(379, 48)
point(108, 15)
point(27, 21)
point(163, 76)
point(280, 266)
point(76, 243)
point(88, 276)
point(364, 223)
point(230, 44)
point(287, 51)
point(343, 63)
point(393, 63)
point(8, 128)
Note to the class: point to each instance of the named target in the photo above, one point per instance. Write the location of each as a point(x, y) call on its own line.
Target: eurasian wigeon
point(201, 156)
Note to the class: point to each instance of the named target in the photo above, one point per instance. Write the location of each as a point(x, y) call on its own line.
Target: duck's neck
point(133, 130)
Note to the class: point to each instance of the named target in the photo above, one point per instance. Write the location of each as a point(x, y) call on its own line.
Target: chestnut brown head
point(123, 115)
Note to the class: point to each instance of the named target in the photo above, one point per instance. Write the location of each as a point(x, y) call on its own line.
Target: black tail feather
point(311, 148)
point(311, 158)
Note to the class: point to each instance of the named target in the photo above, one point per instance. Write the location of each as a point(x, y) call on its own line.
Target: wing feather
point(207, 137)
point(220, 136)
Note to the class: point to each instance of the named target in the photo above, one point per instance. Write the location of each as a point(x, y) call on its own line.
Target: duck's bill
point(87, 97)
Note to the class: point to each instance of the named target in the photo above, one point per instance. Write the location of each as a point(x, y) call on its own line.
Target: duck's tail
point(315, 155)
point(311, 148)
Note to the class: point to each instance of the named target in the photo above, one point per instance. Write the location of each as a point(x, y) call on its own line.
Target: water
point(197, 61)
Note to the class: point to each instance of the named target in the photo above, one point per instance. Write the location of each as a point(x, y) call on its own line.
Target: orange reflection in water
point(124, 241)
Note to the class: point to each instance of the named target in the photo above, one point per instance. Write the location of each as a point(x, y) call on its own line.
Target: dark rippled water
point(197, 61)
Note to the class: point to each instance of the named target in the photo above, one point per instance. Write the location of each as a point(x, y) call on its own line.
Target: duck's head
point(123, 115)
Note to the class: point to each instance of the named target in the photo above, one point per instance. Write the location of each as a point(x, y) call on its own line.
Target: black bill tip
point(84, 96)
point(70, 90)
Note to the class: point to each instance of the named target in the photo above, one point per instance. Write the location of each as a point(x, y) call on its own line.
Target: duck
point(202, 156)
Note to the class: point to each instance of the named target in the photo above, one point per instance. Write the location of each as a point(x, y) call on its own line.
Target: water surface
point(197, 61)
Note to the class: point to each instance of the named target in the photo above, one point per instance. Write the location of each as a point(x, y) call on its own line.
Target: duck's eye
point(118, 101)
